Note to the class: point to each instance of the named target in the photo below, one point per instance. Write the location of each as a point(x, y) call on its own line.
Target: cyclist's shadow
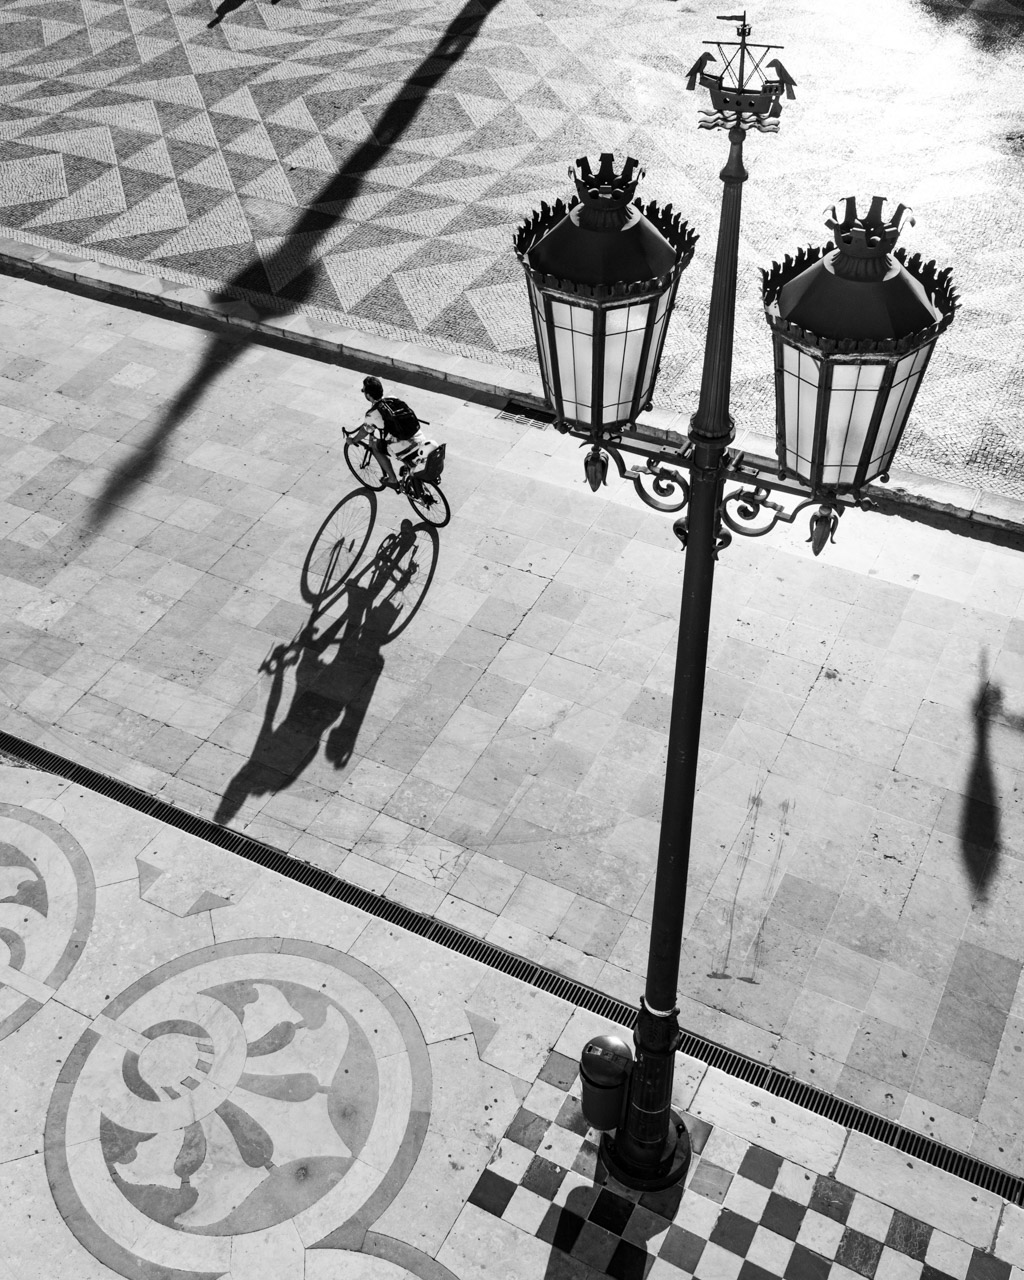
point(337, 664)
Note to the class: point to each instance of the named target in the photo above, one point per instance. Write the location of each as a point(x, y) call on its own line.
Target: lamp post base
point(670, 1168)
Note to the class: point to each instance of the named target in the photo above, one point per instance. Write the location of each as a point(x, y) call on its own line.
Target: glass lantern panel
point(540, 330)
point(574, 344)
point(654, 350)
point(800, 399)
point(894, 416)
point(624, 340)
point(851, 406)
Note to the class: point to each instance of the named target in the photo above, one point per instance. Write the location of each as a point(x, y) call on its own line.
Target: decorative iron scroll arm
point(660, 482)
point(662, 478)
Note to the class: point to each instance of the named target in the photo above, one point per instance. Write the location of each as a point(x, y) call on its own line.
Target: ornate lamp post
point(853, 327)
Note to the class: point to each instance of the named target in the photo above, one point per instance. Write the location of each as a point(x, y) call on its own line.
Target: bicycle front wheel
point(338, 546)
point(428, 502)
point(363, 465)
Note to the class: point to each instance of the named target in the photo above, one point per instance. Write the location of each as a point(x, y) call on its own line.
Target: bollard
point(605, 1065)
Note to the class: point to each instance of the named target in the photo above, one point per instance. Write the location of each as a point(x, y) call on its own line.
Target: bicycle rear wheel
point(337, 547)
point(428, 501)
point(363, 465)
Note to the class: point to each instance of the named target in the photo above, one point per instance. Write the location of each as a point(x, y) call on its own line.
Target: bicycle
point(368, 459)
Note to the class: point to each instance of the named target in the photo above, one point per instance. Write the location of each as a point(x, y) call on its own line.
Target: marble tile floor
point(475, 725)
point(210, 1070)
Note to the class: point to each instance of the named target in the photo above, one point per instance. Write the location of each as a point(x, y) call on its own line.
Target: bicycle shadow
point(281, 282)
point(337, 660)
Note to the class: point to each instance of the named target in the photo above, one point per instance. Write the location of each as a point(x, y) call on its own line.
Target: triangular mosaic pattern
point(370, 160)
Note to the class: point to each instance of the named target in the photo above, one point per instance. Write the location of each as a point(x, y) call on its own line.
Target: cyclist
point(396, 423)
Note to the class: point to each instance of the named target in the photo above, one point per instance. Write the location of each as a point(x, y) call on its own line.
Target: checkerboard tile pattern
point(743, 1212)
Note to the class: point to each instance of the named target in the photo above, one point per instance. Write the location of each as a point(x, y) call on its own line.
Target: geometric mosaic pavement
point(370, 159)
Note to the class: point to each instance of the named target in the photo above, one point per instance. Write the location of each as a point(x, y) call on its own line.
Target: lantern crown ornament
point(601, 274)
point(865, 240)
point(605, 196)
point(854, 325)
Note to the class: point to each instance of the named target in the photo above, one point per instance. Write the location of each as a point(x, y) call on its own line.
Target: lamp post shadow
point(564, 1227)
point(979, 829)
point(336, 668)
point(295, 262)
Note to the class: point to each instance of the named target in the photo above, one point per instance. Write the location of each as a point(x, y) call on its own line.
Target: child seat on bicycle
point(397, 424)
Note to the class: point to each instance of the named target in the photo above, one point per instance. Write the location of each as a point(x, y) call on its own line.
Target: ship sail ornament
point(743, 95)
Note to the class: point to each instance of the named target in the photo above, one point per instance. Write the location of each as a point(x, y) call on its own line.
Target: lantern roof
point(604, 244)
point(859, 294)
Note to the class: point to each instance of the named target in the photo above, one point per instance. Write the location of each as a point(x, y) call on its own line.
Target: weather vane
point(742, 96)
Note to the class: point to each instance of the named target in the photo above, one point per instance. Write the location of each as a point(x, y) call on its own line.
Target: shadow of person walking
point(336, 668)
point(295, 262)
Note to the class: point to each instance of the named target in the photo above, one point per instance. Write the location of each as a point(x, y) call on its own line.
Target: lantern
point(601, 274)
point(853, 329)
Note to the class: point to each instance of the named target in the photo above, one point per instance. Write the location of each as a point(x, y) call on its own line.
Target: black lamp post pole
point(650, 1147)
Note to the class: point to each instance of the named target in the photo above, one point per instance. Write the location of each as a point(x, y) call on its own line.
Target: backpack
point(399, 419)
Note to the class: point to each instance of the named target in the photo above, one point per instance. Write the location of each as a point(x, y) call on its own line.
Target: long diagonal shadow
point(338, 659)
point(294, 257)
point(224, 8)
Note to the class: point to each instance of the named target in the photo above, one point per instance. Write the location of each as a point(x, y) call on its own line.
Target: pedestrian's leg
point(395, 450)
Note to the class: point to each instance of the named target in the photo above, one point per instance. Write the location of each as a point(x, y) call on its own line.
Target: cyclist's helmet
point(374, 388)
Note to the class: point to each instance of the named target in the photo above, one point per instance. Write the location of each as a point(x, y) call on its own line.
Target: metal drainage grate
point(526, 415)
point(738, 1065)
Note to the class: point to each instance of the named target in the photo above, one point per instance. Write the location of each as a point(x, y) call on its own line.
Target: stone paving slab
point(226, 1073)
point(474, 725)
point(366, 166)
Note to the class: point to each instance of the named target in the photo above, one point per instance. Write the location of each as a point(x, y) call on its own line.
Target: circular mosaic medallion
point(47, 899)
point(240, 1087)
